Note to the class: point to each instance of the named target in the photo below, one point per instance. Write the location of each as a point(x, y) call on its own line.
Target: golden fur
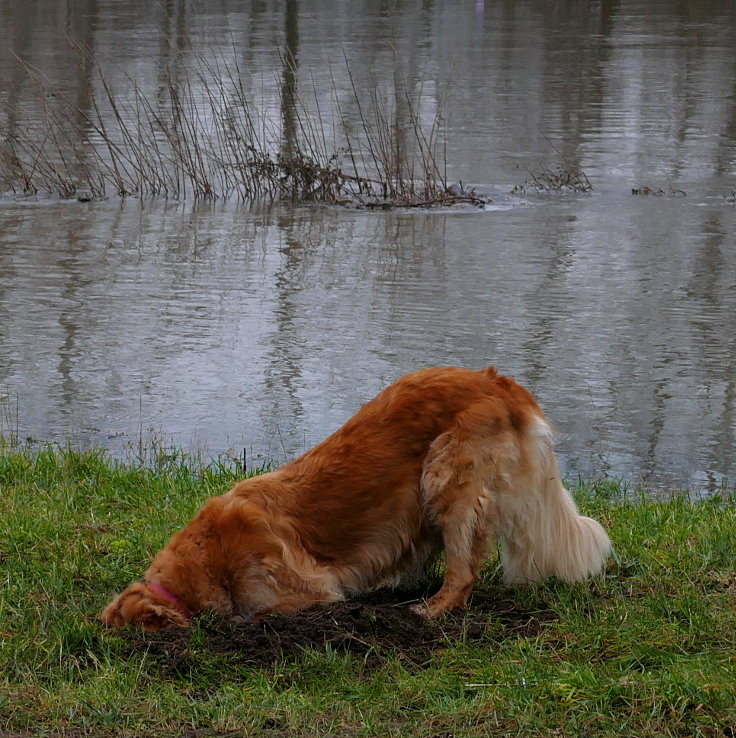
point(444, 458)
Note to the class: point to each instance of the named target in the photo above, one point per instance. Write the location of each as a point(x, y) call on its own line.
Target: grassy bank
point(646, 649)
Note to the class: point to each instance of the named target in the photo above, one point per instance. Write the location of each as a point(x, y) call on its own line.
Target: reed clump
point(205, 134)
point(565, 176)
point(560, 178)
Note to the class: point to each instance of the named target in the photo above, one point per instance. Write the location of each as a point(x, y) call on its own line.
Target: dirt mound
point(372, 628)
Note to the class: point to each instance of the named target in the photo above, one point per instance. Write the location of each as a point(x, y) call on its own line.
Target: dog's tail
point(546, 536)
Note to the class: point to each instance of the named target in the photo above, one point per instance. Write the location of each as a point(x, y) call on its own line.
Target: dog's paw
point(437, 606)
point(428, 610)
point(421, 610)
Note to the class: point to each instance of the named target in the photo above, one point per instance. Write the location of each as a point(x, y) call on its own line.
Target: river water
point(223, 325)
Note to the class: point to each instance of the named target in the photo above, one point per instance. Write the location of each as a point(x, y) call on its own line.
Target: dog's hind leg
point(458, 497)
point(465, 546)
point(494, 475)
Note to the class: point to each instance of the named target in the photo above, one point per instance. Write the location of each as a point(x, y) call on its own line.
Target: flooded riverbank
point(220, 325)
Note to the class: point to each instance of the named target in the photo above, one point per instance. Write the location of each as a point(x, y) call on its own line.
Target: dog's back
point(358, 497)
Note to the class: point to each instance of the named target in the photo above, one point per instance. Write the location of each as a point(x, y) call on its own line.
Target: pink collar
point(160, 590)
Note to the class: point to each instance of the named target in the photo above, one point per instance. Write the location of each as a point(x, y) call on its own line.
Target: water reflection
point(218, 325)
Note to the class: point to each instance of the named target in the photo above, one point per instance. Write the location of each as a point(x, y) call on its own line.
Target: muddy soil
point(373, 629)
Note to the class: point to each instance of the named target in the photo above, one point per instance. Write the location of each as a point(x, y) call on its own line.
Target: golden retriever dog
point(443, 459)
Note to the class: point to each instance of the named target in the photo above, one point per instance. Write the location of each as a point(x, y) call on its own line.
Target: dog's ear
point(136, 606)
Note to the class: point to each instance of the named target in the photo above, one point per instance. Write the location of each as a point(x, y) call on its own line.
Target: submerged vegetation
point(561, 178)
point(645, 649)
point(205, 134)
point(658, 192)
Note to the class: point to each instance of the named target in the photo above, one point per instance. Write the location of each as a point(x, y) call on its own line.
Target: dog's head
point(141, 606)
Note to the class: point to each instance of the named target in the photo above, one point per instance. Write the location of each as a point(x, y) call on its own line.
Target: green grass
point(646, 649)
